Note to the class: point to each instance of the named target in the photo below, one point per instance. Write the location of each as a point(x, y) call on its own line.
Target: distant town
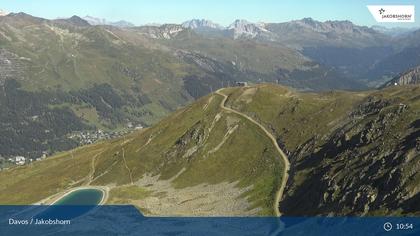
point(89, 137)
point(82, 138)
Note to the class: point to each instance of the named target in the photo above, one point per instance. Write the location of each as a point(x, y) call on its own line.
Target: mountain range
point(103, 76)
point(369, 54)
point(299, 118)
point(395, 31)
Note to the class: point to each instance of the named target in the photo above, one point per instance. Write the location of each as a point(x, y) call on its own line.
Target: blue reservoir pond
point(81, 197)
point(73, 204)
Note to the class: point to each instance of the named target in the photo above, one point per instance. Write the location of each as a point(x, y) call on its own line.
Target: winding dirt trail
point(285, 176)
point(91, 174)
point(126, 166)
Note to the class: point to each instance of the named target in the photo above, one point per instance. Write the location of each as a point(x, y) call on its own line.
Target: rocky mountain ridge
point(201, 24)
point(411, 76)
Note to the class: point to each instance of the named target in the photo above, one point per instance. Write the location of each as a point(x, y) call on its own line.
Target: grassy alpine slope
point(350, 153)
point(203, 160)
point(199, 156)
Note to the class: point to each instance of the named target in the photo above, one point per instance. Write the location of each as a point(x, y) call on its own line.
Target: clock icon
point(387, 226)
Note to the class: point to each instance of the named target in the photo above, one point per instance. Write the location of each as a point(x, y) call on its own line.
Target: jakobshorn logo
point(392, 13)
point(381, 11)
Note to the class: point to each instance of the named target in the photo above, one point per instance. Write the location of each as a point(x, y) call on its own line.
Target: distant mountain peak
point(20, 14)
point(244, 28)
point(308, 20)
point(122, 24)
point(101, 21)
point(201, 24)
point(239, 23)
point(78, 21)
point(338, 26)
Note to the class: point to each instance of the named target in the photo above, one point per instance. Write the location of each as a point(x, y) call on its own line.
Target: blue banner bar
point(127, 220)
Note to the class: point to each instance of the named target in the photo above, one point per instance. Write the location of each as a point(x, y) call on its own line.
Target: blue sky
point(223, 12)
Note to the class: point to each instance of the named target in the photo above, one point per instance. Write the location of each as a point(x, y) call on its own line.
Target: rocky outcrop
point(409, 77)
point(364, 167)
point(167, 31)
point(11, 65)
point(245, 29)
point(201, 24)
